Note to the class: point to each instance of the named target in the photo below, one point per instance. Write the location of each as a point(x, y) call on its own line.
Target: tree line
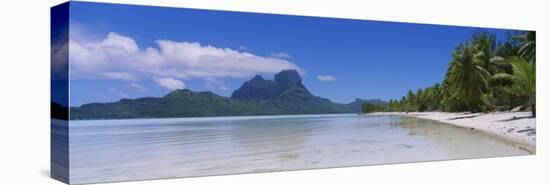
point(483, 75)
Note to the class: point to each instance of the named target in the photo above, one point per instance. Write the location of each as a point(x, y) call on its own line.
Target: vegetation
point(524, 78)
point(285, 95)
point(483, 75)
point(371, 107)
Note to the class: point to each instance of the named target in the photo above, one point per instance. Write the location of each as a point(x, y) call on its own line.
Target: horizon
point(117, 57)
point(271, 79)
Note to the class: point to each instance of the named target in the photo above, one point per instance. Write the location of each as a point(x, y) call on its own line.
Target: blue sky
point(339, 59)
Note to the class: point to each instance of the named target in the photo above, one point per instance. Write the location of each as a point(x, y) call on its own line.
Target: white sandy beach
point(517, 127)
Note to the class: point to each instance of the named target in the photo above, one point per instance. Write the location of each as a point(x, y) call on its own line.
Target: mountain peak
point(259, 88)
point(255, 88)
point(257, 78)
point(288, 77)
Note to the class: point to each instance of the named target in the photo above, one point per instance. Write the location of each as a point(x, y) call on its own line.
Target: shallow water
point(120, 150)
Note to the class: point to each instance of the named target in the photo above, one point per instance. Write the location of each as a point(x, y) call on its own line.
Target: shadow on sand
point(464, 117)
point(517, 118)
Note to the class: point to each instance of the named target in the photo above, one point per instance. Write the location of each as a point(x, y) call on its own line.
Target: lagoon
point(139, 149)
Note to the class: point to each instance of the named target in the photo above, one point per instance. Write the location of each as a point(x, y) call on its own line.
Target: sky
point(121, 51)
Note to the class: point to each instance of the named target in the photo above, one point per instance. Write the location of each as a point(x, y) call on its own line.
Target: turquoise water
point(138, 149)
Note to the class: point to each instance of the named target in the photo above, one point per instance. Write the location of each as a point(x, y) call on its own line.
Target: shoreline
point(516, 127)
point(198, 118)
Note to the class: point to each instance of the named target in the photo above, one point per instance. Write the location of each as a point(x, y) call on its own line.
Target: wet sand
point(517, 127)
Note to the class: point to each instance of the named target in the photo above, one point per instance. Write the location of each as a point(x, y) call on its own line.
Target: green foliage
point(525, 80)
point(368, 107)
point(468, 77)
point(527, 48)
point(501, 80)
point(483, 75)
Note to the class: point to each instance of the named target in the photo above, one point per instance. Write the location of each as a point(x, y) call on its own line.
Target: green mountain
point(282, 96)
point(286, 82)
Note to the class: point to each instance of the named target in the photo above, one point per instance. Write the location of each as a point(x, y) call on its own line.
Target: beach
point(133, 149)
point(516, 127)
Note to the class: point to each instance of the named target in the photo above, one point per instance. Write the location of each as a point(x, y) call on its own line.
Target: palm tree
point(485, 46)
point(467, 77)
point(403, 104)
point(527, 48)
point(525, 80)
point(509, 47)
point(410, 102)
point(438, 96)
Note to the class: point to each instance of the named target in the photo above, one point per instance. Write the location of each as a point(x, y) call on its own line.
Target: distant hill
point(356, 105)
point(284, 95)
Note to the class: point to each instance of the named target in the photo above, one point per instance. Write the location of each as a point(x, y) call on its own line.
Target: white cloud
point(281, 55)
point(170, 83)
point(326, 78)
point(120, 76)
point(59, 51)
point(119, 57)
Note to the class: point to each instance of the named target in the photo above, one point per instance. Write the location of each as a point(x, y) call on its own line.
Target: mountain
point(284, 95)
point(256, 89)
point(178, 103)
point(287, 86)
point(286, 82)
point(356, 105)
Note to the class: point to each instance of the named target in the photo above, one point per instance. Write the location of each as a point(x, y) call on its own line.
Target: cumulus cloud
point(326, 78)
point(120, 76)
point(118, 57)
point(170, 83)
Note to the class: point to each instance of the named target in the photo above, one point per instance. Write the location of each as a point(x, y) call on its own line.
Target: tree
point(484, 45)
point(421, 100)
point(467, 77)
point(410, 103)
point(525, 81)
point(373, 107)
point(527, 48)
point(483, 75)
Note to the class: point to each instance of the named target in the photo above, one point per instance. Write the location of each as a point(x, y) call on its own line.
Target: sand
point(516, 127)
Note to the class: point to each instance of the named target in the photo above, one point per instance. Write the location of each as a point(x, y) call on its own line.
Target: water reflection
point(109, 150)
point(278, 134)
point(456, 141)
point(59, 149)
